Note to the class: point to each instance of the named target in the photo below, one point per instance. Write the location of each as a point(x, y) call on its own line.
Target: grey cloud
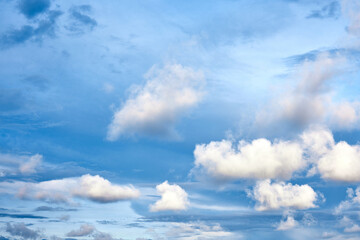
point(53, 209)
point(84, 230)
point(21, 230)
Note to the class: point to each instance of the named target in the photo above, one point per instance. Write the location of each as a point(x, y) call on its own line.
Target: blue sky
point(179, 119)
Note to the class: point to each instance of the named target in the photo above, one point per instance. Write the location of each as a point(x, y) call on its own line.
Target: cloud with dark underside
point(84, 230)
point(80, 21)
point(21, 230)
point(32, 8)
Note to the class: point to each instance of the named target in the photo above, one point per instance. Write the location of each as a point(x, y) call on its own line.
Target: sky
point(189, 120)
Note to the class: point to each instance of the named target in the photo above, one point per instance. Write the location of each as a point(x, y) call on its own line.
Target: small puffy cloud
point(31, 165)
point(281, 195)
point(101, 190)
point(21, 230)
point(287, 224)
point(259, 159)
point(173, 198)
point(84, 230)
point(94, 188)
point(342, 163)
point(335, 161)
point(154, 108)
point(32, 8)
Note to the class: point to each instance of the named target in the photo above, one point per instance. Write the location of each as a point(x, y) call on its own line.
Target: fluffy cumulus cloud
point(21, 230)
point(259, 159)
point(287, 224)
point(335, 161)
point(94, 188)
point(154, 108)
point(278, 195)
point(173, 198)
point(84, 230)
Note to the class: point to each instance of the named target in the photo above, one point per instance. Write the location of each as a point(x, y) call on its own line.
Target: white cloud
point(31, 165)
point(101, 190)
point(259, 159)
point(281, 195)
point(335, 161)
point(154, 108)
point(196, 231)
point(353, 199)
point(173, 198)
point(289, 223)
point(94, 188)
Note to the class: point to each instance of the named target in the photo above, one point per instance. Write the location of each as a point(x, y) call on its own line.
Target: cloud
point(32, 8)
point(154, 108)
point(335, 161)
point(14, 165)
point(259, 159)
point(31, 165)
point(20, 230)
point(196, 230)
point(289, 223)
point(101, 190)
point(103, 236)
point(44, 28)
point(53, 209)
point(353, 200)
point(311, 100)
point(173, 198)
point(278, 195)
point(84, 230)
point(81, 22)
point(94, 188)
point(331, 10)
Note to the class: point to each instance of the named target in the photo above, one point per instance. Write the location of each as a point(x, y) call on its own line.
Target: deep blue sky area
point(189, 120)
